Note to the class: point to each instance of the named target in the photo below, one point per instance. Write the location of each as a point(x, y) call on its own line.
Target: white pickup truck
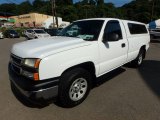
point(64, 67)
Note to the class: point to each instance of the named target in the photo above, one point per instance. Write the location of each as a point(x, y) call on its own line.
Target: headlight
point(30, 68)
point(34, 63)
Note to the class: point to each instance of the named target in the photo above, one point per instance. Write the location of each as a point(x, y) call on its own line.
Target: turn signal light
point(36, 76)
point(37, 62)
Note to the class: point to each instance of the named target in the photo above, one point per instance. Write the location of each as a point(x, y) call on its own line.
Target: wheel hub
point(140, 59)
point(78, 89)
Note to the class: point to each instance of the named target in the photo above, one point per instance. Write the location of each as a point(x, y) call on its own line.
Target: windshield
point(39, 31)
point(87, 30)
point(30, 31)
point(13, 32)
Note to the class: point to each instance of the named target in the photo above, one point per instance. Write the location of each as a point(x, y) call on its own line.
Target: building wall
point(11, 20)
point(30, 19)
point(6, 22)
point(49, 23)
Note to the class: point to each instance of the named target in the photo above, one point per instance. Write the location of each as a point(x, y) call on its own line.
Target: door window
point(113, 27)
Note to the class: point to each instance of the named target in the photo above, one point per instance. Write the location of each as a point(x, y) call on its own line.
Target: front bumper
point(35, 91)
point(14, 36)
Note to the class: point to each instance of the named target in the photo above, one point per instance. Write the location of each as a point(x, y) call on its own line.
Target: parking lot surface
point(124, 94)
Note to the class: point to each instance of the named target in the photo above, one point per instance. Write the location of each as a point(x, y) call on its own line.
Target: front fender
point(54, 65)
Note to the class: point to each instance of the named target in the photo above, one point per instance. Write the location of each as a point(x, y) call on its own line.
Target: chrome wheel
point(78, 89)
point(140, 59)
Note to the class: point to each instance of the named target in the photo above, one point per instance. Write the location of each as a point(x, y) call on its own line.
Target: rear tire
point(74, 87)
point(139, 60)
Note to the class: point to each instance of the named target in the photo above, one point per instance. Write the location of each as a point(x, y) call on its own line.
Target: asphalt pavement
point(124, 94)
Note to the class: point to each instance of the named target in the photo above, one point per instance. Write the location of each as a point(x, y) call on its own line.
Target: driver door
point(113, 53)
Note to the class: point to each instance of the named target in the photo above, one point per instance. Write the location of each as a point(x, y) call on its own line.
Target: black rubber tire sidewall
point(135, 62)
point(66, 81)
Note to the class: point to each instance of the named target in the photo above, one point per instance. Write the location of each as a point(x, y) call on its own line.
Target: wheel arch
point(145, 49)
point(89, 66)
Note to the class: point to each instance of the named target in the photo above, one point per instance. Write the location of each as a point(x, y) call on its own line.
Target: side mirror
point(110, 37)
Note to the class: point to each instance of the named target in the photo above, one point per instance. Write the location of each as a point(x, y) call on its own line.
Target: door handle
point(123, 45)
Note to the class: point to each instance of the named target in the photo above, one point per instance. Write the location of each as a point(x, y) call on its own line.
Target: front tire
point(74, 87)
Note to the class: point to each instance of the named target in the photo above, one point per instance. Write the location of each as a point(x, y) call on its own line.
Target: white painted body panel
point(112, 55)
point(135, 41)
point(60, 53)
point(57, 63)
point(40, 48)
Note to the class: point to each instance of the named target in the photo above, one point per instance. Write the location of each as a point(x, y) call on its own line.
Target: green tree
point(37, 4)
point(138, 10)
point(67, 12)
point(64, 2)
point(24, 8)
point(100, 2)
point(8, 8)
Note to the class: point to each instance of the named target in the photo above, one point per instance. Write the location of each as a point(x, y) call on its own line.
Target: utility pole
point(52, 2)
point(54, 13)
point(153, 6)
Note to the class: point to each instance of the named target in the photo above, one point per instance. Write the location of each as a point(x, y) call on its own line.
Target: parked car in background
point(35, 33)
point(11, 34)
point(51, 32)
point(1, 35)
point(154, 33)
point(59, 29)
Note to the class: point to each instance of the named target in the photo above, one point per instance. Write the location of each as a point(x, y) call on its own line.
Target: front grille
point(16, 60)
point(16, 63)
point(16, 69)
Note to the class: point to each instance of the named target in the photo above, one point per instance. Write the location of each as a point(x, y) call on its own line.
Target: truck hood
point(40, 48)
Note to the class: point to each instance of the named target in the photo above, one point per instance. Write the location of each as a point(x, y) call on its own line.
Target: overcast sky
point(116, 2)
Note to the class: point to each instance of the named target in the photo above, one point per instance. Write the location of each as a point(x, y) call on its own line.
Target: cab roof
point(126, 21)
